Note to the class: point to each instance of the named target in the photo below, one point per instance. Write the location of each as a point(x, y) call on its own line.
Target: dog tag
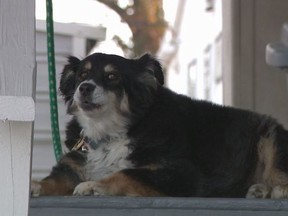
point(78, 145)
point(84, 147)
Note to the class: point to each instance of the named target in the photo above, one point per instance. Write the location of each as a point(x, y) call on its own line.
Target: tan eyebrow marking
point(109, 68)
point(88, 66)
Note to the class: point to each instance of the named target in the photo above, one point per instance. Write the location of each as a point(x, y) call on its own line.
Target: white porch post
point(17, 109)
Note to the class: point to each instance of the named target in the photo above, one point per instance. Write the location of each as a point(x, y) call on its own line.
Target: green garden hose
point(52, 81)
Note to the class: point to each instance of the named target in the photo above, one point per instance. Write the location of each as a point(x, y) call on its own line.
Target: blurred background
point(210, 50)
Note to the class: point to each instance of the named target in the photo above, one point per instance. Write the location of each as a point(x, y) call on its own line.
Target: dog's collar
point(85, 143)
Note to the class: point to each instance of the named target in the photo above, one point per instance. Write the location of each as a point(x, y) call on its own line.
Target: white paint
point(15, 152)
point(75, 30)
point(15, 108)
point(17, 87)
point(79, 46)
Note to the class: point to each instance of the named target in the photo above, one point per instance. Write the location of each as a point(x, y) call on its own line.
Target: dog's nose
point(86, 89)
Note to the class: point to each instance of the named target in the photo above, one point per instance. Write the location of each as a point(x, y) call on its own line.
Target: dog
point(131, 136)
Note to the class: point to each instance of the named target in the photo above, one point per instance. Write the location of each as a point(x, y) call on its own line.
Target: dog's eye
point(83, 75)
point(112, 76)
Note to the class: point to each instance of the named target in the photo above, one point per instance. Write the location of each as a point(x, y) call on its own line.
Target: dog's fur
point(145, 140)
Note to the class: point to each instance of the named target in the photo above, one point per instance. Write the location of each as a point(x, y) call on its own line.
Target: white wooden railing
point(17, 109)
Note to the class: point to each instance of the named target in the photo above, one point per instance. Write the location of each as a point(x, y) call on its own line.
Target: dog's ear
point(153, 67)
point(68, 78)
point(143, 87)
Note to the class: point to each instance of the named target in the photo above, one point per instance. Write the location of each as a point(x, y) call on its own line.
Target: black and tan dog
point(137, 138)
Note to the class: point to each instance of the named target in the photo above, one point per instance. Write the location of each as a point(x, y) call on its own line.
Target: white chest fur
point(108, 158)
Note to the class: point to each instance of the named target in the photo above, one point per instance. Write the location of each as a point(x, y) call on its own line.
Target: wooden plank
point(248, 26)
point(230, 48)
point(148, 212)
point(156, 206)
point(17, 53)
point(14, 108)
point(17, 88)
point(238, 53)
point(15, 152)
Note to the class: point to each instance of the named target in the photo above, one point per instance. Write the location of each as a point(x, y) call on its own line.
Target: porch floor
point(160, 206)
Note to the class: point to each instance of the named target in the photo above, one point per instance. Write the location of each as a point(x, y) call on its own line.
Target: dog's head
point(102, 82)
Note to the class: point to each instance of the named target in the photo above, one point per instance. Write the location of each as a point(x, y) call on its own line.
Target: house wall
point(70, 39)
point(43, 155)
point(249, 82)
point(195, 69)
point(236, 73)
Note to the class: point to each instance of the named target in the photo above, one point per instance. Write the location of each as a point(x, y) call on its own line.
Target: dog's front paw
point(35, 188)
point(280, 192)
point(259, 191)
point(88, 188)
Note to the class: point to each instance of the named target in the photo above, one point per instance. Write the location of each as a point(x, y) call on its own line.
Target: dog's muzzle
point(86, 89)
point(86, 94)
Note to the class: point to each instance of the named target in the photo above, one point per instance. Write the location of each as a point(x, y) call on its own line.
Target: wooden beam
point(238, 53)
point(160, 206)
point(17, 110)
point(13, 108)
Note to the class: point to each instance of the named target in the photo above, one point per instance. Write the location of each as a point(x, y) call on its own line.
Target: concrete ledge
point(124, 206)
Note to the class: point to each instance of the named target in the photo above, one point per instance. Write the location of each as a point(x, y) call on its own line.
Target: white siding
point(196, 67)
point(70, 39)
